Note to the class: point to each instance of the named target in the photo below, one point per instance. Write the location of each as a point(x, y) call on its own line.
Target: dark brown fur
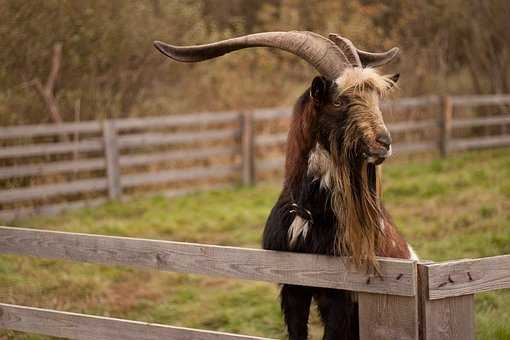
point(347, 216)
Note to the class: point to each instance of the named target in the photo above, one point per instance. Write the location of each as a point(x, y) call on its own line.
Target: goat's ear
point(319, 89)
point(394, 78)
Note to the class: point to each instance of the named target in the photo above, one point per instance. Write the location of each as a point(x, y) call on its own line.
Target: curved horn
point(347, 48)
point(369, 59)
point(362, 58)
point(317, 50)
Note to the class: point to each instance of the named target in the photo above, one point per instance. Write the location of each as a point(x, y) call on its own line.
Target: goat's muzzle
point(379, 152)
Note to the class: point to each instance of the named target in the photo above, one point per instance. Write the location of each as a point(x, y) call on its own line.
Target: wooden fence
point(412, 300)
point(47, 168)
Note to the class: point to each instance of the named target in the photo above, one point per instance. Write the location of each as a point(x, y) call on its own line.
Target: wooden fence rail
point(411, 300)
point(110, 150)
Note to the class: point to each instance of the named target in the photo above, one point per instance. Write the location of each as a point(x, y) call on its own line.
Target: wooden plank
point(409, 103)
point(49, 209)
point(476, 100)
point(49, 129)
point(413, 147)
point(481, 121)
point(383, 317)
point(52, 168)
point(271, 164)
point(82, 326)
point(463, 277)
point(272, 113)
point(271, 140)
point(460, 144)
point(48, 190)
point(178, 155)
point(111, 153)
point(194, 189)
point(198, 119)
point(247, 149)
point(179, 175)
point(152, 139)
point(50, 148)
point(451, 318)
point(397, 127)
point(398, 276)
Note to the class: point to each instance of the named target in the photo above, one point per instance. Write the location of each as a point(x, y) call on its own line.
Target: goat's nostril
point(384, 138)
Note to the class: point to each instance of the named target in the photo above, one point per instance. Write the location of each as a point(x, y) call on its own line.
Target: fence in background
point(47, 168)
point(411, 300)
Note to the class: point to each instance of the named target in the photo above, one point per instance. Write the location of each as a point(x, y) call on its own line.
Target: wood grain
point(177, 120)
point(178, 155)
point(52, 168)
point(414, 146)
point(50, 190)
point(270, 164)
point(243, 263)
point(460, 144)
point(49, 129)
point(81, 326)
point(383, 317)
point(481, 121)
point(476, 100)
point(412, 125)
point(247, 149)
point(411, 103)
point(50, 148)
point(272, 113)
point(152, 139)
point(111, 154)
point(451, 318)
point(179, 175)
point(465, 277)
point(45, 209)
point(271, 140)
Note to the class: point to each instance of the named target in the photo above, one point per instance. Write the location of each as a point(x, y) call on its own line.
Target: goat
point(330, 203)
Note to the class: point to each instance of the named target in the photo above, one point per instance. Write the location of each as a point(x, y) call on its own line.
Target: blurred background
point(100, 133)
point(109, 66)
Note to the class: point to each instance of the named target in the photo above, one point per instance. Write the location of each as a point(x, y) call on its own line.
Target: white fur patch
point(357, 77)
point(320, 166)
point(299, 227)
point(414, 256)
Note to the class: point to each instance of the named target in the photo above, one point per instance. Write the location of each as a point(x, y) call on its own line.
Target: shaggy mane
point(360, 80)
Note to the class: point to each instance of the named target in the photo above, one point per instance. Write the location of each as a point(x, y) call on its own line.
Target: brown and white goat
point(330, 202)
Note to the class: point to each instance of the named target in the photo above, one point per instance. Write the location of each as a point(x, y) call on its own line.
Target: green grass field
point(447, 209)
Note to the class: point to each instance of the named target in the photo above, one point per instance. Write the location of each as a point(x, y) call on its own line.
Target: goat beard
point(356, 204)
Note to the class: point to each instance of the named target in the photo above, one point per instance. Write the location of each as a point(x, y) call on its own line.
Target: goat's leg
point(295, 303)
point(339, 314)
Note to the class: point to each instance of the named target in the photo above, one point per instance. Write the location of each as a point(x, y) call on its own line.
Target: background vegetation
point(109, 68)
point(448, 209)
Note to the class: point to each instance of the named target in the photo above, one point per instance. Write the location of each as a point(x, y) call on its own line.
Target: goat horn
point(317, 50)
point(362, 58)
point(347, 48)
point(369, 59)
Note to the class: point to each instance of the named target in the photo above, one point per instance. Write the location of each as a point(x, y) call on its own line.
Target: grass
point(447, 209)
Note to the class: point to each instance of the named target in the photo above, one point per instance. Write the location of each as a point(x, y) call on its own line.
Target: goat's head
point(350, 122)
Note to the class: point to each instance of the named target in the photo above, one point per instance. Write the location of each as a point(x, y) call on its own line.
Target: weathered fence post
point(445, 125)
point(450, 318)
point(384, 317)
point(111, 151)
point(247, 149)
